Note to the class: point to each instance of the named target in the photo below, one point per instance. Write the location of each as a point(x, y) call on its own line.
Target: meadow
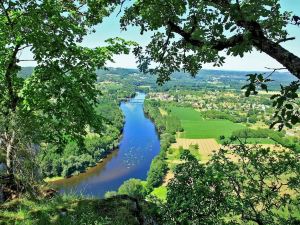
point(196, 127)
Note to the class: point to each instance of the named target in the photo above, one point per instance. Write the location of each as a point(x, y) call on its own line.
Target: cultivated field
point(196, 127)
point(206, 146)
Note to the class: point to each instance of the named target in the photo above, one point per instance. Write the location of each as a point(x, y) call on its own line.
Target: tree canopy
point(57, 101)
point(239, 185)
point(189, 33)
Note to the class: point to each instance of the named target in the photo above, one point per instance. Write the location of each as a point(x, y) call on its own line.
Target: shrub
point(231, 191)
point(134, 188)
point(157, 172)
point(110, 194)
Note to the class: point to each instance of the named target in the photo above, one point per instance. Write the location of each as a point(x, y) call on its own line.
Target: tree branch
point(8, 79)
point(218, 45)
point(259, 40)
point(285, 39)
point(121, 7)
point(6, 14)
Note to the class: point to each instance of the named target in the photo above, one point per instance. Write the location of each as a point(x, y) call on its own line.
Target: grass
point(163, 112)
point(51, 179)
point(160, 192)
point(195, 126)
point(66, 210)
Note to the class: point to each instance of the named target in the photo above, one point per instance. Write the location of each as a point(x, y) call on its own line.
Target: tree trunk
point(10, 154)
point(283, 56)
point(273, 49)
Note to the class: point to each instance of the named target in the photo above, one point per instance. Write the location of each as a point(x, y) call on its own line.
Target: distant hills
point(205, 78)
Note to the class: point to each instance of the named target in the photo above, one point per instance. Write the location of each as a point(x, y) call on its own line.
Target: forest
point(84, 140)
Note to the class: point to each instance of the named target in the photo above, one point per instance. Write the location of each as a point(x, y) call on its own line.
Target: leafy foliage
point(195, 32)
point(256, 80)
point(56, 102)
point(239, 185)
point(286, 103)
point(157, 172)
point(287, 106)
point(134, 188)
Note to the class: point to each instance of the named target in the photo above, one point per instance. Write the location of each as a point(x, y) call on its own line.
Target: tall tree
point(189, 33)
point(57, 100)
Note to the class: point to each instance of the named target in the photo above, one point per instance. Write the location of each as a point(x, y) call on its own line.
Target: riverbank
point(138, 146)
point(73, 159)
point(167, 131)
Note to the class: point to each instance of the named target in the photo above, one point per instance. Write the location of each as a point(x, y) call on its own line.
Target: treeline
point(278, 137)
point(75, 157)
point(214, 114)
point(167, 126)
point(250, 117)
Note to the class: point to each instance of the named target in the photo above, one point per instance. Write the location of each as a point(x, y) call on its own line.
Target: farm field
point(205, 133)
point(196, 127)
point(206, 146)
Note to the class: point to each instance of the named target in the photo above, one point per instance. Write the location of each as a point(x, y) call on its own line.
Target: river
point(138, 146)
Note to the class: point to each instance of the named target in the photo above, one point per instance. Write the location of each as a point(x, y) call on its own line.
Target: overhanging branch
point(218, 45)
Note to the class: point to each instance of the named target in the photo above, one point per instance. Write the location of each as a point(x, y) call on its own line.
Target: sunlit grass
point(195, 126)
point(160, 193)
point(67, 209)
point(51, 179)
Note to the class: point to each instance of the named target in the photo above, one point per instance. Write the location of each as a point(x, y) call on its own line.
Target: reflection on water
point(139, 145)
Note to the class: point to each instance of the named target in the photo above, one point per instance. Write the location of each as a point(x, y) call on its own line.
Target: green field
point(195, 126)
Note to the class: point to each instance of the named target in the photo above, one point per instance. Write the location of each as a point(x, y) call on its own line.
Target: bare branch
point(121, 7)
point(285, 39)
point(274, 70)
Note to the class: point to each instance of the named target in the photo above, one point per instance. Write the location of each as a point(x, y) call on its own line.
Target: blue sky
point(252, 61)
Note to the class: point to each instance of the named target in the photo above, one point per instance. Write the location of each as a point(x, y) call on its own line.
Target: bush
point(230, 191)
point(76, 164)
point(134, 188)
point(110, 194)
point(157, 172)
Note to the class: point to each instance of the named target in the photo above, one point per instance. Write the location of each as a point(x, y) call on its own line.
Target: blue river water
point(138, 146)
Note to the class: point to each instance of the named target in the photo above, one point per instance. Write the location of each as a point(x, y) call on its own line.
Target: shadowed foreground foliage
point(65, 210)
point(239, 185)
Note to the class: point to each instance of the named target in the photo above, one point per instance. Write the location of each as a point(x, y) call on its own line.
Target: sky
point(251, 61)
